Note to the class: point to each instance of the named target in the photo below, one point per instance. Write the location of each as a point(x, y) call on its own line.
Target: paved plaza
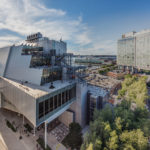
point(9, 140)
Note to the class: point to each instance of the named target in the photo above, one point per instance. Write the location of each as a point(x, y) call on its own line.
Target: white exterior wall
point(66, 118)
point(4, 53)
point(80, 105)
point(143, 51)
point(134, 50)
point(18, 67)
point(17, 100)
point(126, 52)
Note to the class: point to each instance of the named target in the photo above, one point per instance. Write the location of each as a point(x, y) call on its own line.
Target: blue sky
point(88, 26)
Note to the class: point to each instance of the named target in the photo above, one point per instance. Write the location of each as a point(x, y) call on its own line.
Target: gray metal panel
point(20, 100)
point(4, 53)
point(18, 67)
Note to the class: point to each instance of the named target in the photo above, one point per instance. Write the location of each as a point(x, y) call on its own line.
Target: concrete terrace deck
point(37, 91)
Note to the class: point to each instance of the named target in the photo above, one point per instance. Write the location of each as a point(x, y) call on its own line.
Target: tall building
point(134, 50)
point(38, 81)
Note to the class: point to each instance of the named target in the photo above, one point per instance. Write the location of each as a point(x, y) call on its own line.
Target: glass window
point(46, 107)
point(41, 109)
point(59, 100)
point(70, 94)
point(63, 98)
point(74, 92)
point(51, 104)
point(67, 96)
point(55, 102)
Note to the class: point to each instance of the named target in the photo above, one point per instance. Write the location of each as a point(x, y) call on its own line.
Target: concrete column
point(132, 70)
point(0, 100)
point(53, 103)
point(45, 135)
point(23, 119)
point(61, 98)
point(65, 96)
point(34, 131)
point(58, 100)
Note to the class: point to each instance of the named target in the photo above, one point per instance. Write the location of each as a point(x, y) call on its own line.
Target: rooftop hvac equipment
point(51, 86)
point(34, 37)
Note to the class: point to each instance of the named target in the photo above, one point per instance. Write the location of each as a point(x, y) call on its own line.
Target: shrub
point(42, 144)
point(9, 124)
point(74, 138)
point(28, 127)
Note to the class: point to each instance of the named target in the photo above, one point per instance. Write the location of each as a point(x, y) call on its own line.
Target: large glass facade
point(53, 103)
point(50, 75)
point(40, 60)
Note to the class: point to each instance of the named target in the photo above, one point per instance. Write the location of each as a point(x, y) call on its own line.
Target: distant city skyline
point(88, 27)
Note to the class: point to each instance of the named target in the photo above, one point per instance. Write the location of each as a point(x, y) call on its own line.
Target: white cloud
point(8, 40)
point(29, 16)
point(99, 47)
point(26, 17)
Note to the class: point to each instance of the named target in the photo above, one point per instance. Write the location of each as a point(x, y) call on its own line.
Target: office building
point(134, 51)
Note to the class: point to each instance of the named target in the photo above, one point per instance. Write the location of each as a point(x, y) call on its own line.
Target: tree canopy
point(122, 127)
point(134, 89)
point(74, 138)
point(118, 128)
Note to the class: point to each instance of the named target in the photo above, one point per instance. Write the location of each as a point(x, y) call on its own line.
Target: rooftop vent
point(34, 37)
point(51, 86)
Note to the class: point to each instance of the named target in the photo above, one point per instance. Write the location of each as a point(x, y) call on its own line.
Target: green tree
point(90, 147)
point(134, 89)
point(119, 129)
point(135, 139)
point(74, 138)
point(113, 141)
point(98, 144)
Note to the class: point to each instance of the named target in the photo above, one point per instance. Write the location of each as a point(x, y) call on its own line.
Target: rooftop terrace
point(37, 91)
point(102, 81)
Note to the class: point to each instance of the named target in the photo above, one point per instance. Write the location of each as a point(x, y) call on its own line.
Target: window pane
point(55, 102)
point(41, 109)
point(63, 98)
point(51, 104)
point(46, 107)
point(67, 95)
point(70, 94)
point(59, 100)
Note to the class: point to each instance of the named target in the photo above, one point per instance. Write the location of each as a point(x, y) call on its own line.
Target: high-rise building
point(134, 50)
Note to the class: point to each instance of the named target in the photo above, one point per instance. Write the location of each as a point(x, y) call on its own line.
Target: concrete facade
point(80, 105)
point(67, 117)
point(134, 50)
point(17, 100)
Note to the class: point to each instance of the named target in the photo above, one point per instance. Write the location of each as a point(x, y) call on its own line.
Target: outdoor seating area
point(60, 132)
